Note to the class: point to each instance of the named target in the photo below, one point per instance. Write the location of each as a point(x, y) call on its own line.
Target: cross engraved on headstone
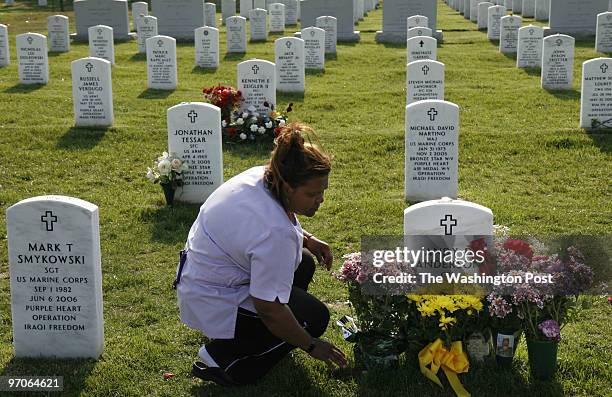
point(559, 42)
point(288, 44)
point(192, 116)
point(160, 43)
point(99, 32)
point(206, 33)
point(422, 43)
point(420, 32)
point(604, 68)
point(30, 40)
point(255, 69)
point(56, 19)
point(312, 33)
point(531, 32)
point(418, 20)
point(432, 113)
point(448, 222)
point(425, 69)
point(48, 219)
point(89, 67)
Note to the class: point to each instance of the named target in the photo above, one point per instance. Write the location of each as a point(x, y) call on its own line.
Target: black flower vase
point(169, 193)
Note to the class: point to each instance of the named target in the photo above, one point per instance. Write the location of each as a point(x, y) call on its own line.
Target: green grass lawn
point(521, 154)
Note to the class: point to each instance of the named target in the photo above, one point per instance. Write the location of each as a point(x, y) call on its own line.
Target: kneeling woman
point(244, 278)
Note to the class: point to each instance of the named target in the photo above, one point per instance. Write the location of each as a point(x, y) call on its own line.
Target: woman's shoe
point(212, 374)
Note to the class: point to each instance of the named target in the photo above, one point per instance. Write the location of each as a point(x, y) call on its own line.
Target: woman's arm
point(281, 322)
point(319, 248)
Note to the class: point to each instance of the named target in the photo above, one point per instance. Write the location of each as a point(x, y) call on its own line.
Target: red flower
point(231, 131)
point(168, 375)
point(520, 247)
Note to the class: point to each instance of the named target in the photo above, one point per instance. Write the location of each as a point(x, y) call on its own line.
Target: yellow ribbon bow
point(452, 362)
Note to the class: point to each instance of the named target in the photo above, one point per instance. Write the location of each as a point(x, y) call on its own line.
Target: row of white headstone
point(472, 9)
point(55, 263)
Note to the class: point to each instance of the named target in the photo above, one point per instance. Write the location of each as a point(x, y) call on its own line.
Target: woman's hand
point(321, 250)
point(329, 353)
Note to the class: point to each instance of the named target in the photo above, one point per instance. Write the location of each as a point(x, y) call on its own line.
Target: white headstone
point(342, 10)
point(210, 9)
point(330, 25)
point(395, 18)
point(291, 12)
point(257, 82)
point(32, 58)
point(194, 135)
point(603, 39)
point(529, 50)
point(290, 70)
point(508, 34)
point(260, 4)
point(483, 14)
point(314, 48)
point(421, 47)
point(596, 97)
point(432, 148)
point(59, 34)
point(92, 92)
point(5, 54)
point(42, 3)
point(528, 8)
point(474, 10)
point(542, 10)
point(161, 63)
point(577, 18)
point(228, 9)
point(424, 80)
point(277, 17)
point(245, 8)
point(139, 9)
point(113, 13)
point(236, 40)
point(56, 278)
point(101, 43)
point(494, 24)
point(517, 6)
point(418, 31)
point(447, 217)
point(417, 21)
point(259, 24)
point(558, 62)
point(178, 18)
point(207, 47)
point(147, 27)
point(466, 9)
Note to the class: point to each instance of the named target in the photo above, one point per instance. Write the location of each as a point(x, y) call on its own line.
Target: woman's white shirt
point(242, 244)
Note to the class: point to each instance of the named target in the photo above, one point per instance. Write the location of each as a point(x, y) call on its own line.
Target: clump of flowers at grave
point(246, 125)
point(168, 169)
point(226, 98)
point(251, 126)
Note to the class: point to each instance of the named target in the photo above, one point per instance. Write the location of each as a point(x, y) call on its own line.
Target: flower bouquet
point(376, 332)
point(168, 171)
point(246, 125)
point(251, 126)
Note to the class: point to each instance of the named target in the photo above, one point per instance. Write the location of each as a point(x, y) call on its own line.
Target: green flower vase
point(168, 193)
point(542, 358)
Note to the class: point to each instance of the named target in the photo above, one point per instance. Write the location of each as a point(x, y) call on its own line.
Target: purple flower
point(551, 330)
point(498, 306)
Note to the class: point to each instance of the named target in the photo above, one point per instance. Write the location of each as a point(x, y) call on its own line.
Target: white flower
point(240, 121)
point(245, 115)
point(223, 123)
point(243, 136)
point(164, 167)
point(150, 175)
point(251, 108)
point(184, 167)
point(164, 156)
point(176, 164)
point(282, 122)
point(254, 127)
point(269, 124)
point(261, 130)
